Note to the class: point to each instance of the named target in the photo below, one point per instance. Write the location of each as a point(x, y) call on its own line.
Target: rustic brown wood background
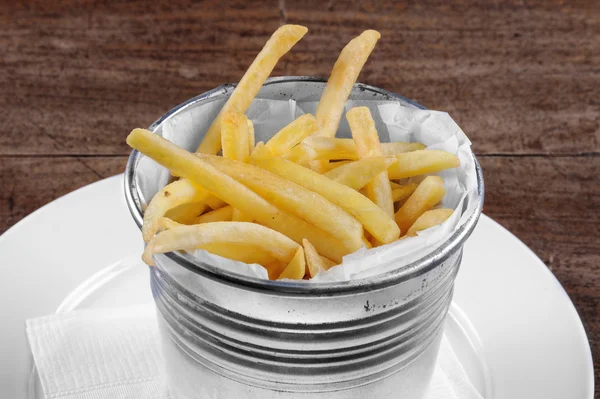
point(521, 77)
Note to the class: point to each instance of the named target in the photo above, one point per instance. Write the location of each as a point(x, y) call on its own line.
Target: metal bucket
point(229, 336)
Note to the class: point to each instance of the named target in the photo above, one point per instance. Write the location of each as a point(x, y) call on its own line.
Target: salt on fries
point(304, 199)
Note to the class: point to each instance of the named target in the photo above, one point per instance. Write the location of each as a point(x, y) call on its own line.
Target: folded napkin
point(114, 353)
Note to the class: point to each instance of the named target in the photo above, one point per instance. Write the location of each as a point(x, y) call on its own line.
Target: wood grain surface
point(521, 78)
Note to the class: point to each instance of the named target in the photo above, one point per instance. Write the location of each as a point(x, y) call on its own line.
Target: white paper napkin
point(114, 354)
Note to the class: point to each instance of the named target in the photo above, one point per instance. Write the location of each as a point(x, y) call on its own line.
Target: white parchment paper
point(394, 122)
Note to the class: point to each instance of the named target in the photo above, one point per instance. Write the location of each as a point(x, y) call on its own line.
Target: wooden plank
point(76, 81)
point(518, 77)
point(30, 183)
point(77, 76)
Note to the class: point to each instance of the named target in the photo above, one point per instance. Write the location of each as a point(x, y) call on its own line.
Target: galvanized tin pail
point(229, 336)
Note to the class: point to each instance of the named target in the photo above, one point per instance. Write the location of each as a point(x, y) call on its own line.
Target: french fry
point(398, 147)
point(234, 136)
point(291, 135)
point(260, 152)
point(367, 144)
point(358, 174)
point(234, 193)
point(296, 269)
point(373, 218)
point(421, 162)
point(167, 224)
point(237, 251)
point(334, 165)
point(401, 192)
point(172, 195)
point(251, 138)
point(224, 214)
point(293, 198)
point(274, 269)
point(426, 196)
point(235, 139)
point(327, 263)
point(186, 213)
point(315, 263)
point(267, 240)
point(301, 154)
point(333, 148)
point(280, 43)
point(318, 165)
point(239, 216)
point(429, 219)
point(342, 79)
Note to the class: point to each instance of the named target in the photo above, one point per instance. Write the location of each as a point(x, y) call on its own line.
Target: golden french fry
point(421, 162)
point(293, 198)
point(333, 148)
point(274, 269)
point(402, 192)
point(186, 213)
point(373, 218)
point(327, 263)
point(318, 165)
point(280, 43)
point(296, 269)
point(190, 166)
point(315, 263)
point(367, 143)
point(234, 136)
point(426, 196)
point(429, 219)
point(334, 165)
point(237, 251)
point(395, 185)
point(251, 137)
point(357, 174)
point(239, 216)
point(342, 79)
point(291, 135)
point(172, 195)
point(167, 224)
point(233, 140)
point(398, 147)
point(260, 152)
point(190, 237)
point(224, 214)
point(300, 154)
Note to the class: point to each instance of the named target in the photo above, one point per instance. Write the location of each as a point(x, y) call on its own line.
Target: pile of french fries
point(304, 199)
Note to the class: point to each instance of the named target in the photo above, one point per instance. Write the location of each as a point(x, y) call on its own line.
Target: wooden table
point(522, 79)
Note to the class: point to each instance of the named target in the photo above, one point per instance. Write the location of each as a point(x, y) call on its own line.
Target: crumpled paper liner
point(394, 122)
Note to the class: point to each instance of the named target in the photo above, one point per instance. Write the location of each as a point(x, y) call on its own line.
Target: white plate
point(511, 324)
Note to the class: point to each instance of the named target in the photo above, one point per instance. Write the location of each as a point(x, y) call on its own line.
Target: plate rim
point(581, 331)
